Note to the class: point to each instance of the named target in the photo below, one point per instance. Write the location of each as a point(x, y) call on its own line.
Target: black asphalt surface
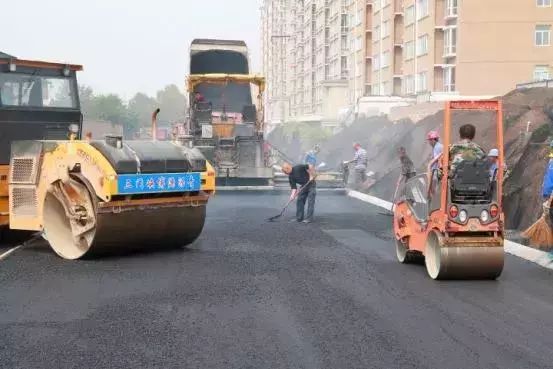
point(252, 294)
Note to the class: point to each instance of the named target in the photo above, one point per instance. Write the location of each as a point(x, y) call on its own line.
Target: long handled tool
point(273, 218)
point(540, 233)
point(390, 212)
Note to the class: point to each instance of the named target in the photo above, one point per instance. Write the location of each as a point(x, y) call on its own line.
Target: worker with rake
point(540, 233)
point(304, 176)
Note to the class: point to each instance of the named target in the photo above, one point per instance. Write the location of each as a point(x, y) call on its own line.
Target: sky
point(126, 46)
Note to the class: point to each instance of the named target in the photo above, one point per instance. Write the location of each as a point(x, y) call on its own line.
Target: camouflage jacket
point(464, 150)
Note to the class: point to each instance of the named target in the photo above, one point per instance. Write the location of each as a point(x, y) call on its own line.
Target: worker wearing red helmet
point(433, 138)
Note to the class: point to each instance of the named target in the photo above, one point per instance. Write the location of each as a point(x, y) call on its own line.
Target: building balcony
point(398, 8)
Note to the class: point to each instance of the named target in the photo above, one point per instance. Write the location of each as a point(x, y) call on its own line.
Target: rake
point(273, 218)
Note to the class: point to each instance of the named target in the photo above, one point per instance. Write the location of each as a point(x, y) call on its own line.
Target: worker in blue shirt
point(311, 156)
point(548, 175)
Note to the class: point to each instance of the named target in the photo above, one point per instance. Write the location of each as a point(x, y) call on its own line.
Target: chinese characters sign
point(151, 183)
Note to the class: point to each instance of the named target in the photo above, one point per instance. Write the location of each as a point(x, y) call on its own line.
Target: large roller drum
point(468, 258)
point(111, 230)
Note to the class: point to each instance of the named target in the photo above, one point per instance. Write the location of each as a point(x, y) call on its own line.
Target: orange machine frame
point(405, 224)
point(490, 105)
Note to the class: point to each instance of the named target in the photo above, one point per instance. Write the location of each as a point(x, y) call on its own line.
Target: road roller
point(452, 218)
point(90, 197)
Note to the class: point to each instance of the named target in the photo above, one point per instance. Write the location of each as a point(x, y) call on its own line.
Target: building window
point(541, 73)
point(450, 41)
point(358, 44)
point(384, 88)
point(409, 50)
point(543, 3)
point(422, 45)
point(376, 33)
point(385, 59)
point(379, 4)
point(344, 43)
point(543, 35)
point(422, 82)
point(451, 8)
point(422, 9)
point(408, 85)
point(385, 29)
point(409, 15)
point(376, 62)
point(376, 89)
point(344, 67)
point(449, 79)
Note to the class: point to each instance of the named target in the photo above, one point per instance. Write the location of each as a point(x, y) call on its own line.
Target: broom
point(540, 233)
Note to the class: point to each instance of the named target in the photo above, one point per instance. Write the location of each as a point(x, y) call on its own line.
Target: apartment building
point(306, 49)
point(357, 10)
point(456, 47)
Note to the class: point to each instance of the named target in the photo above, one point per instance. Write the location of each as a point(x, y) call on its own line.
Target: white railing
point(546, 84)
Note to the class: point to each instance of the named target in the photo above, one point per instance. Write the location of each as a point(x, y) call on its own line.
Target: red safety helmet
point(432, 135)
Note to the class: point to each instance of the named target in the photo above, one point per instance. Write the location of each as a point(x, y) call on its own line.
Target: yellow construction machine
point(89, 197)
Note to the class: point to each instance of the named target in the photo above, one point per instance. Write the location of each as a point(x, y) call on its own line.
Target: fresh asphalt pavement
point(252, 294)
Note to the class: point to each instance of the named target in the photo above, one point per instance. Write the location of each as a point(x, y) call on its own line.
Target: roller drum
point(122, 230)
point(478, 260)
point(147, 229)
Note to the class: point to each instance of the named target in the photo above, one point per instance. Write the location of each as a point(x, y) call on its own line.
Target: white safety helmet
point(494, 153)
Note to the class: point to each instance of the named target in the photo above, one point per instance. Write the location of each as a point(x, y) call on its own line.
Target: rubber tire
point(403, 254)
point(433, 256)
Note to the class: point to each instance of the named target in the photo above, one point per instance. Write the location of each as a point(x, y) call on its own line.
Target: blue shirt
point(493, 168)
point(548, 180)
point(311, 158)
point(437, 150)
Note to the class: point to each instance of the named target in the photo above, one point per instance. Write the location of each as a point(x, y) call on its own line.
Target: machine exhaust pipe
point(154, 124)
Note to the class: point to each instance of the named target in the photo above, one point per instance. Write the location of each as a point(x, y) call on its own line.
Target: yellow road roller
point(90, 197)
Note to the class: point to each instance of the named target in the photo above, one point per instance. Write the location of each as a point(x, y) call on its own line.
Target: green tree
point(142, 106)
point(109, 108)
point(172, 103)
point(86, 97)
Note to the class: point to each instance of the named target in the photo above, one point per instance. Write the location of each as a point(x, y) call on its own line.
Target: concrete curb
point(542, 258)
point(244, 188)
point(272, 189)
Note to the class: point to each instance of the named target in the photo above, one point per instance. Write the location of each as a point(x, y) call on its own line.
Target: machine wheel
point(58, 231)
point(404, 255)
point(77, 227)
point(462, 261)
point(433, 255)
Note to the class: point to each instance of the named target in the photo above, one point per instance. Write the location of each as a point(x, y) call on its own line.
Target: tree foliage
point(137, 112)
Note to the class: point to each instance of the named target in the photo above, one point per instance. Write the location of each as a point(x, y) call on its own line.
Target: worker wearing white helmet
point(493, 156)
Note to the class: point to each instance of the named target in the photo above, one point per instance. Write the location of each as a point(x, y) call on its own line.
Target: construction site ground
point(252, 294)
point(528, 128)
